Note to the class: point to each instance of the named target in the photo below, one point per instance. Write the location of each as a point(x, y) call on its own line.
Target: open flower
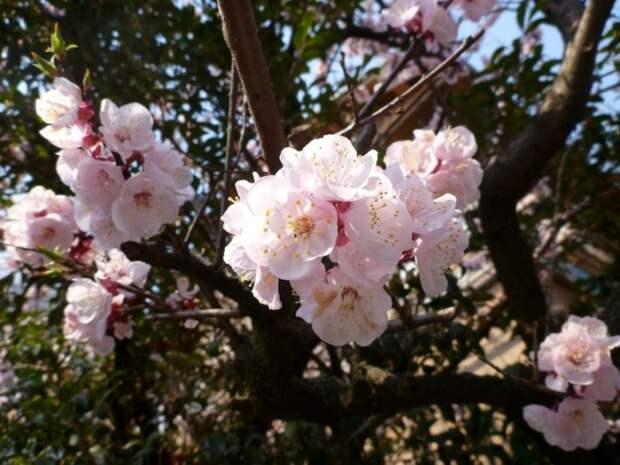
point(576, 354)
point(143, 207)
point(474, 9)
point(460, 178)
point(98, 182)
point(414, 15)
point(117, 268)
point(330, 168)
point(39, 218)
point(427, 212)
point(295, 232)
point(578, 423)
point(436, 251)
point(126, 129)
point(379, 224)
point(340, 309)
point(455, 144)
point(416, 156)
point(59, 106)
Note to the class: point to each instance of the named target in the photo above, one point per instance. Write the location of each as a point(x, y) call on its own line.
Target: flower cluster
point(444, 160)
point(328, 206)
point(95, 313)
point(127, 185)
point(39, 218)
point(578, 362)
point(430, 21)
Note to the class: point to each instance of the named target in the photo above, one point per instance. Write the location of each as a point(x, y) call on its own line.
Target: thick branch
point(242, 38)
point(514, 173)
point(565, 14)
point(325, 400)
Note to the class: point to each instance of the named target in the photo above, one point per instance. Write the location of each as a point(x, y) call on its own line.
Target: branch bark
point(514, 173)
point(377, 392)
point(242, 38)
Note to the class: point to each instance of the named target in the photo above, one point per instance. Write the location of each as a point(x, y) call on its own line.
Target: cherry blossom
point(460, 178)
point(265, 288)
point(65, 137)
point(330, 168)
point(577, 353)
point(59, 106)
point(474, 9)
point(577, 423)
point(425, 18)
point(380, 224)
point(352, 261)
point(89, 305)
point(427, 212)
point(454, 144)
point(164, 164)
point(126, 129)
point(116, 268)
point(415, 157)
point(436, 251)
point(143, 206)
point(341, 310)
point(67, 163)
point(411, 14)
point(39, 218)
point(97, 182)
point(443, 160)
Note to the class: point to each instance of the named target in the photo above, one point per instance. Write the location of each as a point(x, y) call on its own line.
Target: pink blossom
point(380, 225)
point(415, 157)
point(460, 178)
point(576, 354)
point(98, 182)
point(455, 144)
point(97, 220)
point(143, 207)
point(65, 137)
point(117, 268)
point(577, 423)
point(59, 106)
point(474, 9)
point(427, 212)
point(39, 218)
point(67, 163)
point(341, 310)
point(436, 251)
point(165, 164)
point(411, 14)
point(330, 168)
point(126, 129)
point(89, 306)
point(353, 261)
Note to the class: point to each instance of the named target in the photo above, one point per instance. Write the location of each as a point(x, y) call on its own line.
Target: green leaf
point(47, 67)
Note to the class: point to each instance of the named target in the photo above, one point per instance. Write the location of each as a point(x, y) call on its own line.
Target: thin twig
point(350, 90)
point(422, 320)
point(396, 102)
point(390, 79)
point(230, 152)
point(226, 172)
point(196, 314)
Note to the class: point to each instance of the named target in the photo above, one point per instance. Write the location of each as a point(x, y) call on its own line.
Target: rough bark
point(241, 35)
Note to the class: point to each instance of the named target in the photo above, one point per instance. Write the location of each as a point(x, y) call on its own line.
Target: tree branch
point(242, 38)
point(515, 173)
point(377, 392)
point(414, 89)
